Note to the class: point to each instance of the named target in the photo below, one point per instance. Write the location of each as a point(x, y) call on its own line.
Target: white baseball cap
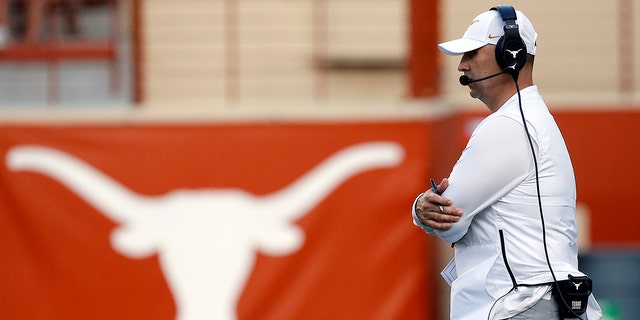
point(487, 28)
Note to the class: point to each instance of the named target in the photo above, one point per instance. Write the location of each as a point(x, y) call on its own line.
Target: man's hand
point(428, 209)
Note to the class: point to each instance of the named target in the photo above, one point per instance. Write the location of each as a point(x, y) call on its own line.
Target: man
point(490, 207)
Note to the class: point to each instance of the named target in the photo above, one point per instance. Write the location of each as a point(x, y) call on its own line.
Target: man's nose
point(463, 65)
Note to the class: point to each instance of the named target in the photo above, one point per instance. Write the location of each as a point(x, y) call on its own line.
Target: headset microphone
point(465, 81)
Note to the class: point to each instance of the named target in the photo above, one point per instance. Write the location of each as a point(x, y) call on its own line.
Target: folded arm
point(496, 159)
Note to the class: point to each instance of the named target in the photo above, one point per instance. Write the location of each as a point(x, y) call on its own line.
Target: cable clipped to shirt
point(580, 296)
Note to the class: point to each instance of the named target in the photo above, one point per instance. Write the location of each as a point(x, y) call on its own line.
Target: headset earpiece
point(511, 52)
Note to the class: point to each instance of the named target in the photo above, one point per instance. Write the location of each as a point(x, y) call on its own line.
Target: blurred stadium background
point(323, 66)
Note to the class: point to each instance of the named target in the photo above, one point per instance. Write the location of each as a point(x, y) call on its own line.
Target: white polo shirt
point(494, 183)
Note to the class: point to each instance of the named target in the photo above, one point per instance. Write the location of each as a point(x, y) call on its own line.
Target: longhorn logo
point(577, 285)
point(191, 230)
point(514, 53)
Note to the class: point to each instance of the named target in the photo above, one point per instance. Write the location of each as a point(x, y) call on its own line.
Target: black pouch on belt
point(572, 296)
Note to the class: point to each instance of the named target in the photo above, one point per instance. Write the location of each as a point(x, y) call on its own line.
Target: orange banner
point(238, 221)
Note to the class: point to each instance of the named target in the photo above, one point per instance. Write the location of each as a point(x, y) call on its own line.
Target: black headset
point(511, 52)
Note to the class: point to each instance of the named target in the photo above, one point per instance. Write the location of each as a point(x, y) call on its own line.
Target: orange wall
point(361, 248)
point(605, 149)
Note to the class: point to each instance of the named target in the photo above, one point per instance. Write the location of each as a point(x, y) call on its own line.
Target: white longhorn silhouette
point(514, 53)
point(206, 240)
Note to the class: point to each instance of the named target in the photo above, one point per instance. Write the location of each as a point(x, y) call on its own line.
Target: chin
point(473, 93)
